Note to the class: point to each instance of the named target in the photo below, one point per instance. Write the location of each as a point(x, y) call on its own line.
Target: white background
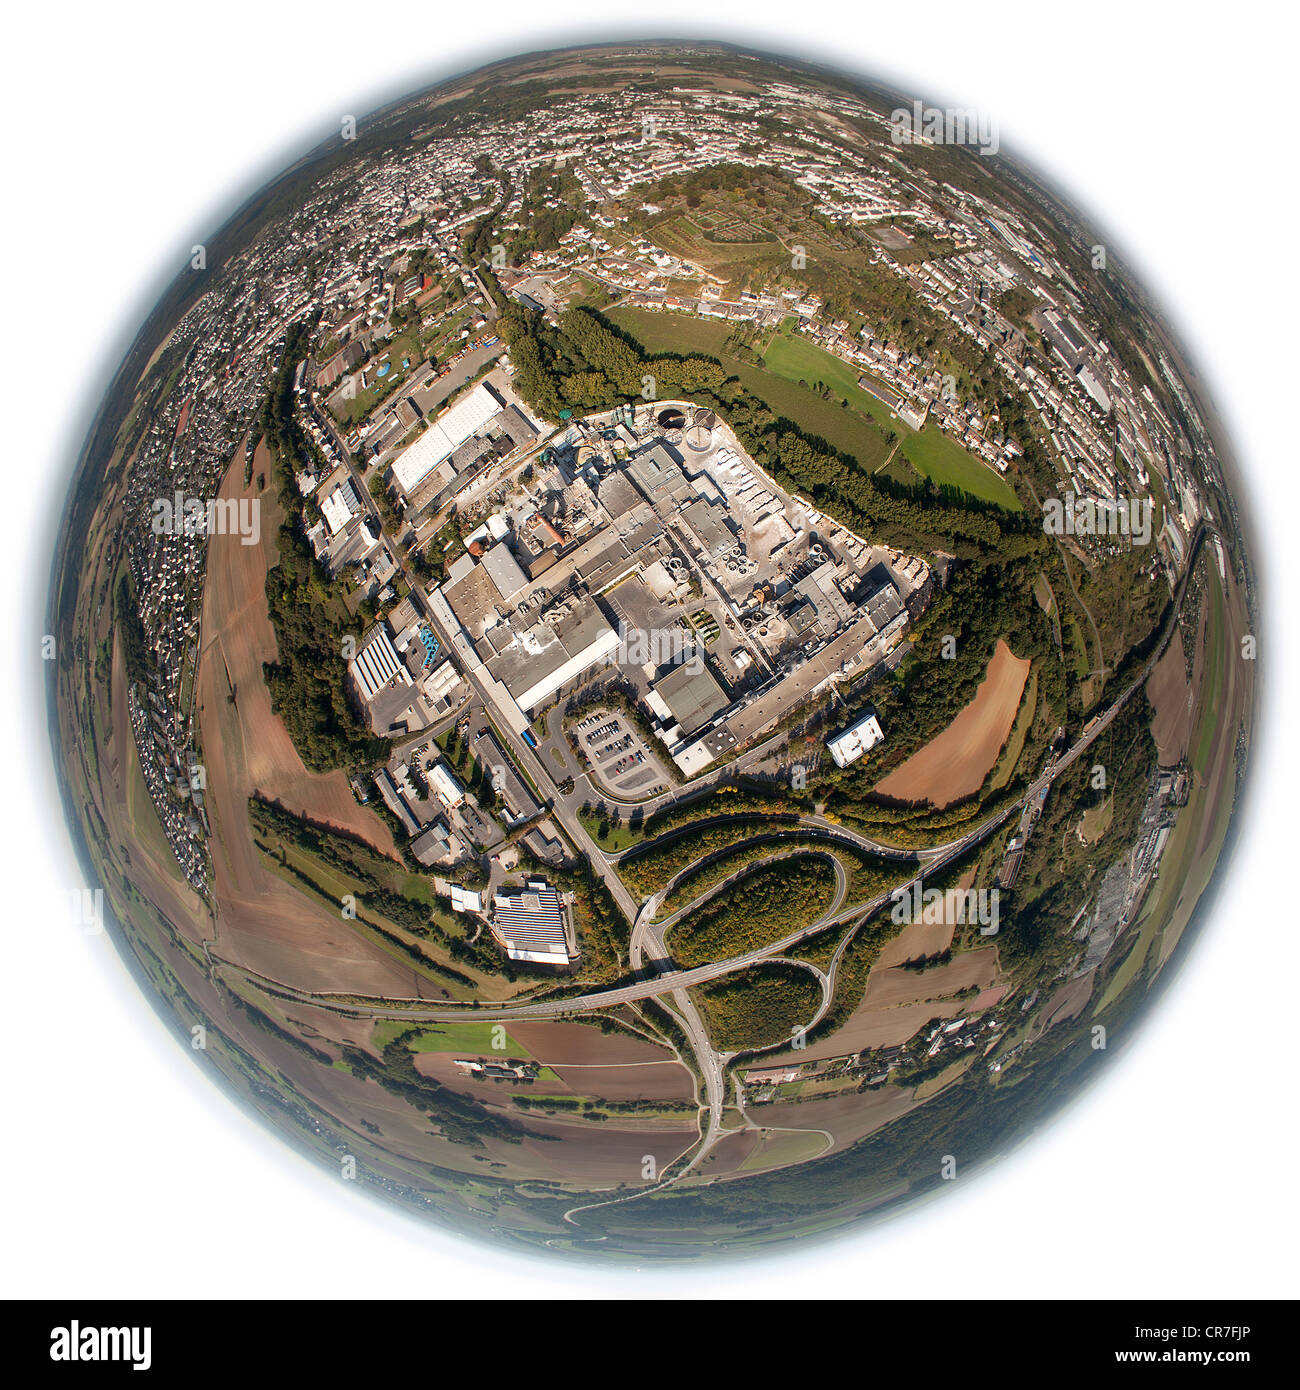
point(132, 130)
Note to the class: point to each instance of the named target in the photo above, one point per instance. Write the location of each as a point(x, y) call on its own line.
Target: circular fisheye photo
point(655, 653)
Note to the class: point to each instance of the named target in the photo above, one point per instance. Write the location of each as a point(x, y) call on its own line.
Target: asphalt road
point(527, 759)
point(674, 981)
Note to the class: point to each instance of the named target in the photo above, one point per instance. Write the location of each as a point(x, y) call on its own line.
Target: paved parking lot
point(617, 755)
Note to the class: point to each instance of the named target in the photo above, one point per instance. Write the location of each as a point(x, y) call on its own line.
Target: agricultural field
point(955, 764)
point(476, 1038)
point(844, 1119)
point(1173, 698)
point(778, 1147)
point(1015, 744)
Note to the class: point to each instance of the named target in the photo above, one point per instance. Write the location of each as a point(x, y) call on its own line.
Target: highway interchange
point(648, 955)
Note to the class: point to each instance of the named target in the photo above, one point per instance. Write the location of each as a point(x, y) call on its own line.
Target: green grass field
point(796, 360)
point(858, 430)
point(671, 332)
point(785, 1146)
point(931, 452)
point(848, 430)
point(615, 838)
point(418, 889)
point(474, 1036)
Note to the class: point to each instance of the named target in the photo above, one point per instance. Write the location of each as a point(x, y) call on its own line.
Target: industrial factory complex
point(641, 547)
point(666, 552)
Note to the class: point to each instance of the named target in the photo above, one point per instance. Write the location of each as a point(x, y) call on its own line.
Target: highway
point(814, 825)
point(644, 932)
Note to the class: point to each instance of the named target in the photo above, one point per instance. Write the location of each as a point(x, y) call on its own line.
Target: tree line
point(306, 611)
point(585, 364)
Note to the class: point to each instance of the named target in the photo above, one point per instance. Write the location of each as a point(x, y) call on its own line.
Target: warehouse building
point(529, 926)
point(341, 506)
point(687, 698)
point(395, 801)
point(445, 786)
point(847, 747)
point(534, 663)
point(468, 417)
point(377, 665)
point(503, 570)
point(436, 844)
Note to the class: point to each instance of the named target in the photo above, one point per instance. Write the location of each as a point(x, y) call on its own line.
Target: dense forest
point(765, 905)
point(130, 630)
point(758, 1007)
point(647, 871)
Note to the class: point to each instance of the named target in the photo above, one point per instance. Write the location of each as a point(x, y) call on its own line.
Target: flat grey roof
point(883, 605)
point(504, 571)
point(692, 694)
point(473, 599)
point(519, 669)
point(617, 495)
point(709, 526)
point(659, 476)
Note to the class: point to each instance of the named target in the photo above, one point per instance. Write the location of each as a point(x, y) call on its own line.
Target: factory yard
point(649, 540)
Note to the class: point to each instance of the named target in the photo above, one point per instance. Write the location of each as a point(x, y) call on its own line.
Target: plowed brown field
point(262, 920)
point(955, 763)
